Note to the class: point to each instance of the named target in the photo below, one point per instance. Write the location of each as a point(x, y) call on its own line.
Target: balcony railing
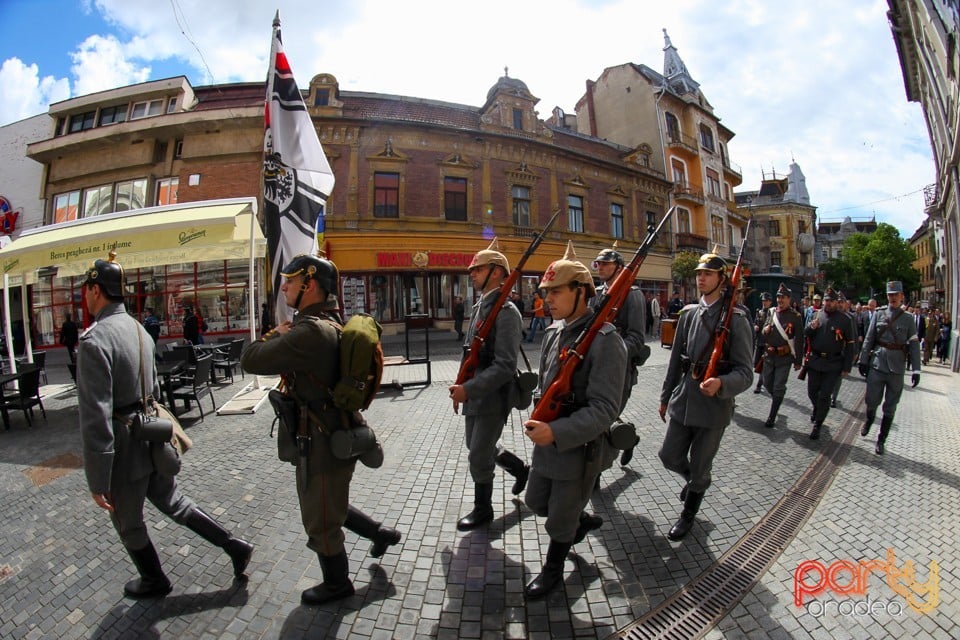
point(691, 193)
point(678, 140)
point(732, 168)
point(692, 242)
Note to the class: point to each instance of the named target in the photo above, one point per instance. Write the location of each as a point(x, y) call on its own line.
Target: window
point(679, 173)
point(518, 119)
point(706, 138)
point(716, 227)
point(801, 226)
point(673, 127)
point(776, 258)
point(97, 201)
point(575, 214)
point(386, 195)
point(455, 198)
point(66, 206)
point(82, 121)
point(616, 220)
point(732, 240)
point(167, 191)
point(146, 109)
point(131, 194)
point(322, 98)
point(172, 105)
point(177, 149)
point(683, 220)
point(521, 206)
point(112, 115)
point(713, 183)
point(773, 228)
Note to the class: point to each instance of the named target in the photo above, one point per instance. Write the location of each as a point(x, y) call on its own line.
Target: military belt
point(892, 346)
point(779, 351)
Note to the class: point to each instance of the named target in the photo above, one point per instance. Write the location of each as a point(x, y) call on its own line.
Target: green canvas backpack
point(361, 363)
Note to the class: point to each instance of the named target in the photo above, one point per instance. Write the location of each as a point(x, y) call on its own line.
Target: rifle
point(608, 305)
point(802, 374)
point(722, 332)
point(472, 360)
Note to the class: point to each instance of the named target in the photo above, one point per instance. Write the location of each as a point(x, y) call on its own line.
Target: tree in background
point(684, 268)
point(868, 261)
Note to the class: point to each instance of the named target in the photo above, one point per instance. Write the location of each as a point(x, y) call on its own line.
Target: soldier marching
point(782, 335)
point(759, 337)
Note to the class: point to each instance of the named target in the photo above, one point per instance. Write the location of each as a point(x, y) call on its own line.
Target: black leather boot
point(152, 582)
point(774, 409)
point(336, 583)
point(552, 573)
point(759, 386)
point(210, 530)
point(815, 433)
point(871, 416)
point(885, 423)
point(366, 527)
point(587, 524)
point(516, 467)
point(482, 508)
point(690, 508)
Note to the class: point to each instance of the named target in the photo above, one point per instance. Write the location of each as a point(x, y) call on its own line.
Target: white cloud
point(25, 94)
point(102, 63)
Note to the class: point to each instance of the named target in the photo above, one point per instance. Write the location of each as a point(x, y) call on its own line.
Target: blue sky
point(816, 81)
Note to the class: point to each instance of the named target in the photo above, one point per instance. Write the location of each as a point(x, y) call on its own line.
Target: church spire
point(675, 72)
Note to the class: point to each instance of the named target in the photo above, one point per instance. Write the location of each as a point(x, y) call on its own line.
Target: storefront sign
point(423, 259)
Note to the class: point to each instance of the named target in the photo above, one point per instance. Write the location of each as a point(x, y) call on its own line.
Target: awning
point(189, 232)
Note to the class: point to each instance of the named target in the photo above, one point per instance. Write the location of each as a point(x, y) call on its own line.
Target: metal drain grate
point(695, 609)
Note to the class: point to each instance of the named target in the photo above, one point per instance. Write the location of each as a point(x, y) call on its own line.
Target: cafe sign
point(423, 260)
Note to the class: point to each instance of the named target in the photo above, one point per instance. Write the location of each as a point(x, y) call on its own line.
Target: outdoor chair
point(27, 396)
point(40, 359)
point(196, 385)
point(229, 362)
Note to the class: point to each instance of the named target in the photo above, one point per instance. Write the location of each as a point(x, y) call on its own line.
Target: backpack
point(361, 363)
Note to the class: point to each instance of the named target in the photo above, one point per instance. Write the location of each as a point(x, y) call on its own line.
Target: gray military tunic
point(891, 338)
point(562, 474)
point(696, 421)
point(781, 354)
point(109, 361)
point(630, 324)
point(488, 392)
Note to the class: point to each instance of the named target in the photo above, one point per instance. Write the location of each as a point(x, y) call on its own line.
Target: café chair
point(27, 396)
point(196, 385)
point(229, 362)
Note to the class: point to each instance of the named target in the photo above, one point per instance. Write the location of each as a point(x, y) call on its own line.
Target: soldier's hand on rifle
point(104, 502)
point(796, 367)
point(663, 412)
point(914, 379)
point(539, 432)
point(864, 369)
point(459, 395)
point(283, 327)
point(766, 330)
point(710, 387)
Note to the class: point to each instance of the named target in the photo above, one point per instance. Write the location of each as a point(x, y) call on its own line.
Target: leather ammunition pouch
point(778, 351)
point(287, 414)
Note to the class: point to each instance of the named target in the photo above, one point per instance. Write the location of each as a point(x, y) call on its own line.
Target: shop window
point(455, 198)
point(616, 220)
point(521, 206)
point(386, 195)
point(575, 214)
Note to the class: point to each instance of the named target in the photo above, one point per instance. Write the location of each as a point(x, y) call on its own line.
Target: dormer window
point(518, 119)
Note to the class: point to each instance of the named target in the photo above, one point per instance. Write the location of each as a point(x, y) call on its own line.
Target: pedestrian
point(486, 396)
point(815, 308)
point(539, 320)
point(305, 352)
point(930, 338)
point(568, 451)
point(700, 410)
point(890, 341)
point(151, 322)
point(843, 304)
point(458, 315)
point(759, 337)
point(191, 326)
point(630, 324)
point(831, 345)
point(782, 334)
point(943, 340)
point(266, 319)
point(676, 304)
point(655, 313)
point(115, 367)
point(69, 336)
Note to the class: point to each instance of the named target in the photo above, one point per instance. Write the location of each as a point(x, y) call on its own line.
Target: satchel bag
point(523, 386)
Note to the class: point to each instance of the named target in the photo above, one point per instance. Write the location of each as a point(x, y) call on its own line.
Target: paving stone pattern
point(62, 568)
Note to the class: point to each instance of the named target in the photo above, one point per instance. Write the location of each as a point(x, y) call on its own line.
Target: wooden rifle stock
point(722, 333)
point(471, 361)
point(549, 407)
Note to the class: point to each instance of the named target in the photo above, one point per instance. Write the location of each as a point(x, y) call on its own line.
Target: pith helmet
point(108, 274)
point(610, 255)
point(712, 262)
point(817, 296)
point(566, 270)
point(894, 286)
point(829, 294)
point(320, 269)
point(490, 255)
point(784, 290)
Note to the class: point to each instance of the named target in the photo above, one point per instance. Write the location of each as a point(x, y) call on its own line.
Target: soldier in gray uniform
point(113, 352)
point(700, 410)
point(630, 323)
point(305, 352)
point(758, 350)
point(569, 450)
point(832, 344)
point(783, 342)
point(890, 340)
point(486, 396)
point(844, 305)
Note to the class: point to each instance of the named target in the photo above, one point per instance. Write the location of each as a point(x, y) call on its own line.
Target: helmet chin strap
point(483, 287)
point(722, 280)
point(303, 287)
point(576, 302)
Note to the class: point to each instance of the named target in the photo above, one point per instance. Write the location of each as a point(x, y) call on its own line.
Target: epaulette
point(86, 332)
point(607, 328)
point(692, 305)
point(740, 309)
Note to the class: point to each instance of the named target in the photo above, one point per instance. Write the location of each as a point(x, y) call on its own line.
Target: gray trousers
point(481, 436)
point(559, 501)
point(776, 371)
point(700, 444)
point(128, 499)
point(887, 387)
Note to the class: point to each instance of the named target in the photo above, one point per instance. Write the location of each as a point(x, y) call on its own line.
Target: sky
point(816, 82)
